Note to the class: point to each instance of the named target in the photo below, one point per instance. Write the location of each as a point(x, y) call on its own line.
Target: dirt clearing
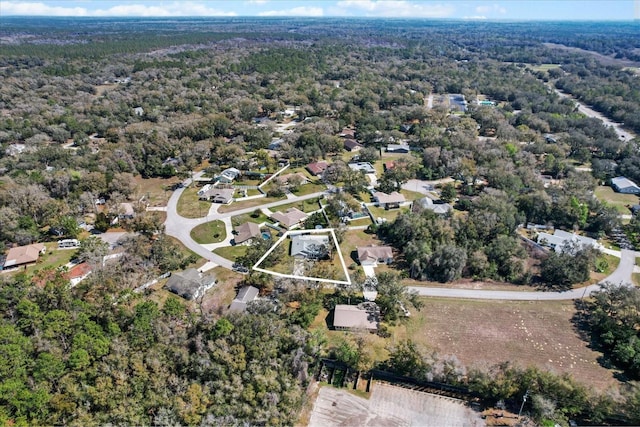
point(390, 406)
point(485, 333)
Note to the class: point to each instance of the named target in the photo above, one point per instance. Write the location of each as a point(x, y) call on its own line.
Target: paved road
point(180, 228)
point(621, 275)
point(623, 134)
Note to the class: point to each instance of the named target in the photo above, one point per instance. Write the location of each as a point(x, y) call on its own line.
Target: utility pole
point(524, 399)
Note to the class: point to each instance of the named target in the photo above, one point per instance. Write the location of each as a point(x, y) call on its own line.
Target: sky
point(449, 9)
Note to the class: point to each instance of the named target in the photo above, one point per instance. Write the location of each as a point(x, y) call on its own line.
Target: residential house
point(284, 179)
point(361, 316)
point(310, 246)
point(388, 201)
point(352, 145)
point(246, 232)
point(246, 294)
point(348, 133)
point(317, 168)
point(290, 217)
point(24, 255)
point(559, 238)
point(372, 255)
point(398, 148)
point(189, 284)
point(229, 175)
point(435, 206)
point(78, 273)
point(138, 111)
point(624, 185)
point(365, 167)
point(218, 195)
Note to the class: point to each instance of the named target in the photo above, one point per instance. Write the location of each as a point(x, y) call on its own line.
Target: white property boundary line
point(291, 276)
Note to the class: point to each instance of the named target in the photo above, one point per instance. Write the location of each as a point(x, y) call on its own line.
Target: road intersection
point(180, 228)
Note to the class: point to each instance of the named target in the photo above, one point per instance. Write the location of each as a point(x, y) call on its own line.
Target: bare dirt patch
point(533, 333)
point(389, 406)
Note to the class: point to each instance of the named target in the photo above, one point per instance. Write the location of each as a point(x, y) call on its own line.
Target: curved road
point(180, 228)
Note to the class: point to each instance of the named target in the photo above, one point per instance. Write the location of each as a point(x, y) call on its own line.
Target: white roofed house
point(189, 284)
point(427, 203)
point(246, 294)
point(559, 239)
point(309, 246)
point(218, 195)
point(229, 175)
point(361, 316)
point(372, 255)
point(624, 185)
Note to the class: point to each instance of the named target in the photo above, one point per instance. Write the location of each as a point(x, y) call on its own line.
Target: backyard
point(231, 252)
point(619, 201)
point(257, 216)
point(307, 206)
point(209, 232)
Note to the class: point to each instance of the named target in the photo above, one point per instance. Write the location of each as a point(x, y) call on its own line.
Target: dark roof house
point(317, 168)
point(246, 294)
point(189, 284)
point(352, 145)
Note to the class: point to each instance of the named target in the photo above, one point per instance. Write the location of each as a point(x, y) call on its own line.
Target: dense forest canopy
point(88, 106)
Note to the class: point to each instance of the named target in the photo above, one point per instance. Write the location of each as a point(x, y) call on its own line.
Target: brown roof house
point(284, 179)
point(372, 255)
point(24, 255)
point(348, 133)
point(290, 217)
point(352, 145)
point(189, 284)
point(388, 201)
point(246, 294)
point(361, 316)
point(246, 232)
point(317, 168)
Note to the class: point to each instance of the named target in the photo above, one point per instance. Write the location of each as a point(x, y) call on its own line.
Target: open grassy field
point(309, 188)
point(484, 333)
point(241, 219)
point(189, 206)
point(248, 204)
point(231, 252)
point(209, 232)
point(389, 215)
point(307, 206)
point(617, 200)
point(155, 190)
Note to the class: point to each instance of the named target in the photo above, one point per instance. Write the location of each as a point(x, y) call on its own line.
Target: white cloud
point(257, 1)
point(187, 8)
point(495, 8)
point(395, 8)
point(296, 11)
point(475, 17)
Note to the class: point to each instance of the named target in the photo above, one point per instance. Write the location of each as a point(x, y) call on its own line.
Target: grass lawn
point(411, 195)
point(53, 257)
point(241, 219)
point(309, 188)
point(543, 67)
point(366, 220)
point(236, 206)
point(209, 232)
point(389, 215)
point(307, 206)
point(617, 200)
point(248, 182)
point(635, 277)
point(189, 206)
point(231, 252)
point(527, 333)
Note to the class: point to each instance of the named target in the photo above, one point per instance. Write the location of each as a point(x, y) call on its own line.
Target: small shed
point(246, 294)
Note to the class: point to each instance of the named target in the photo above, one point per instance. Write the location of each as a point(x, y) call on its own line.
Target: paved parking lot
point(390, 406)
